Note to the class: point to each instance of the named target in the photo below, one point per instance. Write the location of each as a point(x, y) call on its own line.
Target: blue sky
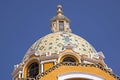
point(22, 22)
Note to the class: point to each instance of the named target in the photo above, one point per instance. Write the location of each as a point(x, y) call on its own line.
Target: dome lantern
point(60, 22)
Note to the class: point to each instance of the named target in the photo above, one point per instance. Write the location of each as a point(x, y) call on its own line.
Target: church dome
point(59, 41)
point(62, 55)
point(55, 42)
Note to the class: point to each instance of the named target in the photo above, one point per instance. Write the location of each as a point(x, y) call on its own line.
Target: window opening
point(69, 59)
point(33, 70)
point(61, 26)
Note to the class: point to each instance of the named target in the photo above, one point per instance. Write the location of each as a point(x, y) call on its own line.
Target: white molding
point(42, 62)
point(53, 60)
point(41, 67)
point(79, 75)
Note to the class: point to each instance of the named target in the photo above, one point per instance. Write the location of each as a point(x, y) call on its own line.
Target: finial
point(59, 10)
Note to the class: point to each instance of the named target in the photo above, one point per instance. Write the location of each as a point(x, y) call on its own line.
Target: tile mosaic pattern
point(54, 42)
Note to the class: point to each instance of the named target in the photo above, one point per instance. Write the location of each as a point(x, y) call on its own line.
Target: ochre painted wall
point(48, 65)
point(53, 75)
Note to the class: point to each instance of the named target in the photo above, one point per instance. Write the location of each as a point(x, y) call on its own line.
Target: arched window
point(69, 59)
point(33, 70)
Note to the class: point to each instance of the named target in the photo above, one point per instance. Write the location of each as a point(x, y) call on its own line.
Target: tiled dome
point(60, 39)
point(55, 42)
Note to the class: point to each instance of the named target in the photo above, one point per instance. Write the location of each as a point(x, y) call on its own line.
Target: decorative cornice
point(43, 58)
point(41, 75)
point(16, 70)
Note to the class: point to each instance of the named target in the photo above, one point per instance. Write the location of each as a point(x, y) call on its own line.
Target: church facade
point(62, 55)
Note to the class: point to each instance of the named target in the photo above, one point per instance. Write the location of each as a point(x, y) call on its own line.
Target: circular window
point(33, 70)
point(69, 59)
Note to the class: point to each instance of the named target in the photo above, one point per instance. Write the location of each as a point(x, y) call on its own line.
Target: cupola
point(60, 22)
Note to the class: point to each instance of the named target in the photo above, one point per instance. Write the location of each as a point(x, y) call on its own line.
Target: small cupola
point(60, 22)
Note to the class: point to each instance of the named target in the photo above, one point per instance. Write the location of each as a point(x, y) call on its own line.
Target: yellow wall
point(68, 69)
point(48, 65)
